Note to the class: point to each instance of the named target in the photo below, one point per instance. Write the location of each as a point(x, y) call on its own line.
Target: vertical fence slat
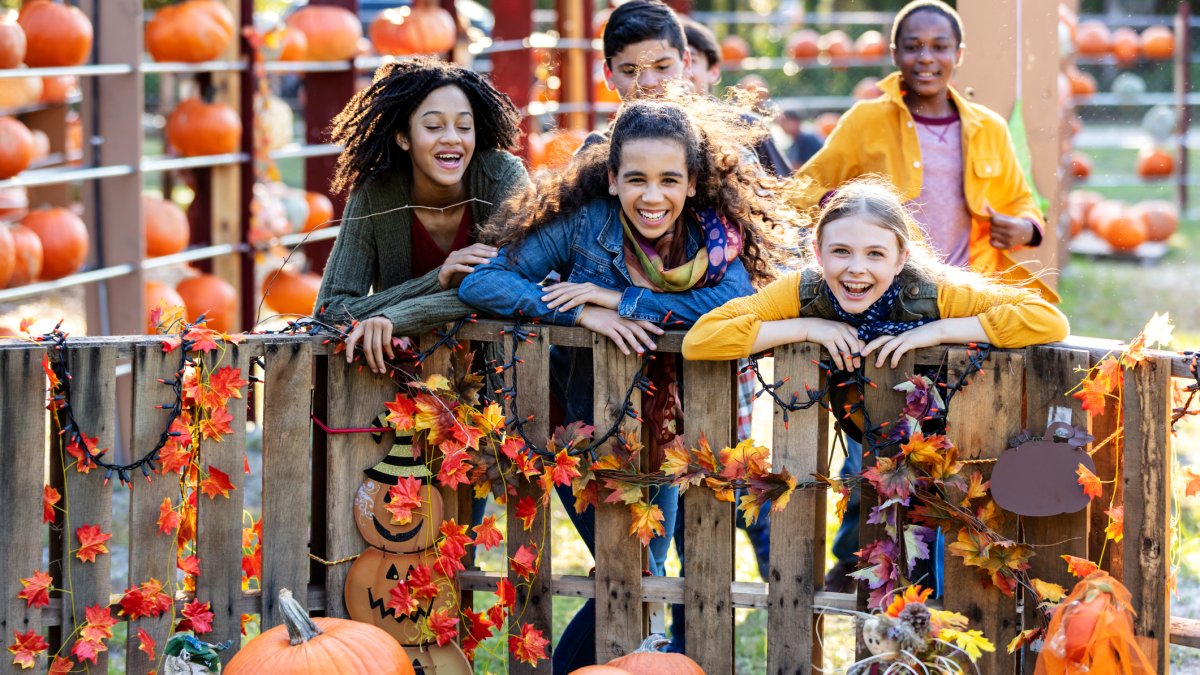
point(151, 553)
point(438, 363)
point(88, 499)
point(619, 611)
point(534, 596)
point(708, 533)
point(797, 539)
point(1049, 373)
point(1147, 500)
point(286, 496)
point(354, 400)
point(1109, 466)
point(219, 519)
point(982, 418)
point(22, 452)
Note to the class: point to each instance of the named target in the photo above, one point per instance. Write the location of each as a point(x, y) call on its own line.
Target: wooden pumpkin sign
point(369, 585)
point(1037, 477)
point(434, 660)
point(375, 522)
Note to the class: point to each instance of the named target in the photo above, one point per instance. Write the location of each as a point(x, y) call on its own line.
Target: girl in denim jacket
point(663, 219)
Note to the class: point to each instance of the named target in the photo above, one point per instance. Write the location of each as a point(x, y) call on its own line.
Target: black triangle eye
point(392, 573)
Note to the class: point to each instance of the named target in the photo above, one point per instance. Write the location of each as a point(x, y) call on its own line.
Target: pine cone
point(917, 616)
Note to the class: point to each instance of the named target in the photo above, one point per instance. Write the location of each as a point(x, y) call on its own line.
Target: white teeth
point(652, 215)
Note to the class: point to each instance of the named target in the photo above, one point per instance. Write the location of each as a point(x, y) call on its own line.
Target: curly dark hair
point(715, 137)
point(367, 126)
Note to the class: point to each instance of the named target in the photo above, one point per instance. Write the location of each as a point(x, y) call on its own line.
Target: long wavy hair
point(716, 138)
point(367, 126)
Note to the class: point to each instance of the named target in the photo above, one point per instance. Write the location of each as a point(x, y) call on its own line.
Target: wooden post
point(512, 72)
point(573, 63)
point(225, 195)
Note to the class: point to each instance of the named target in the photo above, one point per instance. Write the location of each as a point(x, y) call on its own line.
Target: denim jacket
point(587, 246)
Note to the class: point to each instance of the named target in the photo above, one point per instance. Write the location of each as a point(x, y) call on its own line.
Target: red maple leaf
point(486, 534)
point(198, 618)
point(216, 483)
point(50, 497)
point(512, 447)
point(100, 622)
point(1080, 567)
point(444, 626)
point(1192, 486)
point(175, 457)
point(218, 422)
point(404, 497)
point(1092, 487)
point(479, 628)
point(400, 412)
point(84, 463)
point(91, 541)
point(226, 383)
point(36, 591)
point(25, 324)
point(455, 468)
point(61, 666)
point(170, 344)
point(506, 594)
point(421, 584)
point(451, 548)
point(202, 339)
point(27, 647)
point(526, 512)
point(146, 643)
point(146, 599)
point(1109, 373)
point(1094, 395)
point(168, 517)
point(87, 650)
point(189, 565)
point(49, 370)
point(564, 468)
point(524, 562)
point(529, 646)
point(401, 600)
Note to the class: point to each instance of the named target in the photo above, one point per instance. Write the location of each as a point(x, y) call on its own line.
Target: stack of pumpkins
point(807, 44)
point(1123, 226)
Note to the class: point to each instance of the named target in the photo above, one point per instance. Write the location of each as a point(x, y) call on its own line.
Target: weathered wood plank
point(619, 610)
point(1147, 563)
point(219, 520)
point(982, 418)
point(286, 496)
point(534, 595)
point(22, 453)
point(151, 553)
point(1109, 466)
point(708, 531)
point(797, 538)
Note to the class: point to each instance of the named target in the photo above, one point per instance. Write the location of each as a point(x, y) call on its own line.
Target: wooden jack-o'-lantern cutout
point(369, 585)
point(375, 522)
point(1038, 476)
point(434, 660)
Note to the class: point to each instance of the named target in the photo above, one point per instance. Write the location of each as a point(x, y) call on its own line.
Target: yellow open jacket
point(878, 137)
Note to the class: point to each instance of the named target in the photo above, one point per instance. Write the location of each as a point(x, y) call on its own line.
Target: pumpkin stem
point(300, 627)
point(653, 644)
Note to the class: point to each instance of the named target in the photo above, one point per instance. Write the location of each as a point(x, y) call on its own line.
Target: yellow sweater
point(1011, 317)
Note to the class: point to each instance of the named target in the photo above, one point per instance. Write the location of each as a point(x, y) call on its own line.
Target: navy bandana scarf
point(873, 322)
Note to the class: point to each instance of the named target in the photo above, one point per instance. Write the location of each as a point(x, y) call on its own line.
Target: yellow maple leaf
point(1047, 591)
point(1021, 639)
point(972, 642)
point(704, 455)
point(437, 382)
point(1158, 330)
point(677, 461)
point(491, 419)
point(1115, 529)
point(977, 488)
point(720, 488)
point(647, 521)
point(750, 508)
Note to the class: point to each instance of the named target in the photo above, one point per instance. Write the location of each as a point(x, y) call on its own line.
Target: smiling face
point(441, 138)
point(926, 52)
point(859, 259)
point(644, 68)
point(652, 184)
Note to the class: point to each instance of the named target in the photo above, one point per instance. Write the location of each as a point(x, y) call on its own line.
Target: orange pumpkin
point(560, 146)
point(1104, 214)
point(41, 145)
point(1082, 84)
point(14, 204)
point(1092, 38)
point(164, 298)
point(600, 90)
point(293, 45)
point(1081, 165)
point(27, 257)
point(1158, 43)
point(369, 584)
point(1125, 45)
point(320, 211)
point(64, 238)
point(291, 293)
point(192, 31)
point(599, 670)
point(647, 660)
point(19, 92)
point(319, 645)
point(413, 30)
point(166, 226)
point(332, 32)
point(12, 41)
point(211, 296)
point(434, 660)
point(734, 48)
point(804, 44)
point(16, 147)
point(1079, 621)
point(1154, 163)
point(871, 45)
point(836, 44)
point(375, 522)
point(826, 123)
point(56, 34)
point(197, 128)
point(59, 89)
point(1160, 217)
point(8, 256)
point(1124, 232)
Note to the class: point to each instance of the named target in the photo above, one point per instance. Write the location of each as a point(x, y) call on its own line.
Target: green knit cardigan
point(373, 251)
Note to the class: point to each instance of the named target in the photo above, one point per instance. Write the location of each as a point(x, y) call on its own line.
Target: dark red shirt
point(426, 254)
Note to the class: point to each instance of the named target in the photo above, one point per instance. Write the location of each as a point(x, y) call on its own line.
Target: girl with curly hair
point(426, 162)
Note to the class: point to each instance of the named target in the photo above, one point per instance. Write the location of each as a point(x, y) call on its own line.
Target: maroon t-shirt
point(426, 254)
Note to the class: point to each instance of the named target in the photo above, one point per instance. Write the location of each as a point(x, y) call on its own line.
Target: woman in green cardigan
point(425, 163)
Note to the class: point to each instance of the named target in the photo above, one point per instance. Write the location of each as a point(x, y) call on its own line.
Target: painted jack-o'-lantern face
point(376, 524)
point(369, 585)
point(434, 660)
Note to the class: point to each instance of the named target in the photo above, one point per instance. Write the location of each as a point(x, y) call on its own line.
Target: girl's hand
point(462, 262)
point(839, 339)
point(1009, 232)
point(376, 336)
point(898, 345)
point(565, 295)
point(623, 332)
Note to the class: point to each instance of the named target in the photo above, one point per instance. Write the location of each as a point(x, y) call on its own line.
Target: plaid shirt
point(745, 399)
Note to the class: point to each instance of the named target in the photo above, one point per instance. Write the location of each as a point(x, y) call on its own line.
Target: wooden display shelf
point(78, 71)
point(59, 175)
point(1091, 246)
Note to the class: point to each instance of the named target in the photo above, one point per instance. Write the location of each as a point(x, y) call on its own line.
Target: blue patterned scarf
point(873, 322)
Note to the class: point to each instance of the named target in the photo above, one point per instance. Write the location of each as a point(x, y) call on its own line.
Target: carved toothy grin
point(396, 537)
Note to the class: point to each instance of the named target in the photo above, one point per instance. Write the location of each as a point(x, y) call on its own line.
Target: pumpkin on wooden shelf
point(167, 300)
point(166, 226)
point(734, 48)
point(16, 147)
point(19, 92)
point(804, 44)
point(320, 211)
point(1157, 43)
point(289, 292)
point(197, 128)
point(64, 237)
point(12, 41)
point(276, 122)
point(8, 256)
point(293, 45)
point(319, 645)
point(413, 30)
point(1125, 46)
point(59, 88)
point(648, 660)
point(1092, 38)
point(212, 296)
point(1082, 84)
point(27, 258)
point(56, 34)
point(1104, 214)
point(1160, 217)
point(192, 31)
point(836, 44)
point(871, 45)
point(332, 32)
point(1081, 165)
point(1153, 162)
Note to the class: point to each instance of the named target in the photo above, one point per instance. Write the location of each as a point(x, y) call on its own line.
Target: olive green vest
point(917, 301)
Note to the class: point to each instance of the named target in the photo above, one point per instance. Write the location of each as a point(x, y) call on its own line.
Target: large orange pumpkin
point(734, 48)
point(291, 293)
point(162, 297)
point(1125, 45)
point(600, 670)
point(211, 296)
point(559, 147)
point(1124, 232)
point(1160, 217)
point(27, 258)
point(293, 45)
point(192, 31)
point(19, 92)
point(319, 645)
point(434, 660)
point(198, 128)
point(1092, 38)
point(8, 256)
point(836, 44)
point(12, 41)
point(56, 34)
point(871, 45)
point(375, 522)
point(64, 238)
point(803, 44)
point(1155, 163)
point(16, 147)
point(166, 226)
point(647, 660)
point(413, 30)
point(1104, 214)
point(59, 89)
point(1158, 43)
point(332, 32)
point(320, 211)
point(369, 584)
